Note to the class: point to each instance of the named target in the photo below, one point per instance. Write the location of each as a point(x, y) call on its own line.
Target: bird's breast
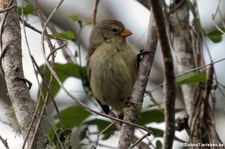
point(113, 72)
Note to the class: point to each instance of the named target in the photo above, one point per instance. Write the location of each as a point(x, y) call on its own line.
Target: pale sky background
point(135, 17)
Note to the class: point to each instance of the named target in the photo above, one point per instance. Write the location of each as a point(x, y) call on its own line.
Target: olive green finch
point(111, 65)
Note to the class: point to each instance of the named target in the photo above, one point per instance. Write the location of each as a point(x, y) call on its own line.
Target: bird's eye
point(114, 30)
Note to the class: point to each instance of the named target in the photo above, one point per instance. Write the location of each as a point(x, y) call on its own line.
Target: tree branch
point(11, 58)
point(133, 107)
point(181, 41)
point(4, 142)
point(95, 11)
point(169, 84)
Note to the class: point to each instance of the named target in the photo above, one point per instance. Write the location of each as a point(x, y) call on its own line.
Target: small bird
point(111, 65)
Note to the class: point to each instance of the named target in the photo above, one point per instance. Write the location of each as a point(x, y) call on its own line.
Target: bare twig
point(4, 141)
point(202, 127)
point(139, 141)
point(35, 115)
point(56, 49)
point(100, 133)
point(45, 99)
point(48, 93)
point(218, 12)
point(154, 101)
point(169, 76)
point(95, 11)
point(201, 67)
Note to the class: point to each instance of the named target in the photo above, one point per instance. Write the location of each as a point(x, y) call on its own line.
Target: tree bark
point(11, 64)
point(132, 109)
point(181, 42)
point(169, 75)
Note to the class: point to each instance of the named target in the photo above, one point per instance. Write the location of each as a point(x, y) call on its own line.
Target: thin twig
point(34, 119)
point(4, 141)
point(221, 17)
point(139, 141)
point(44, 84)
point(54, 50)
point(105, 129)
point(154, 101)
point(25, 23)
point(48, 93)
point(201, 67)
point(95, 11)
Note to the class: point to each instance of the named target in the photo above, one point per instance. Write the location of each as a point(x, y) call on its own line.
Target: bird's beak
point(125, 33)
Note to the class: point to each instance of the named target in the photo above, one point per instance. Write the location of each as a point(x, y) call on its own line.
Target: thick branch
point(181, 41)
point(132, 109)
point(11, 58)
point(169, 84)
point(144, 3)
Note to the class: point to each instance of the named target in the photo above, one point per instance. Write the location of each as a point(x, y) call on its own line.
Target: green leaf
point(28, 9)
point(90, 22)
point(73, 116)
point(190, 78)
point(101, 125)
point(74, 18)
point(64, 136)
point(158, 144)
point(159, 133)
point(216, 35)
point(83, 134)
point(66, 35)
point(152, 115)
point(149, 116)
point(64, 71)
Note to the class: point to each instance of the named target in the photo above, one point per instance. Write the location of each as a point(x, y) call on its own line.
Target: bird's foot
point(140, 56)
